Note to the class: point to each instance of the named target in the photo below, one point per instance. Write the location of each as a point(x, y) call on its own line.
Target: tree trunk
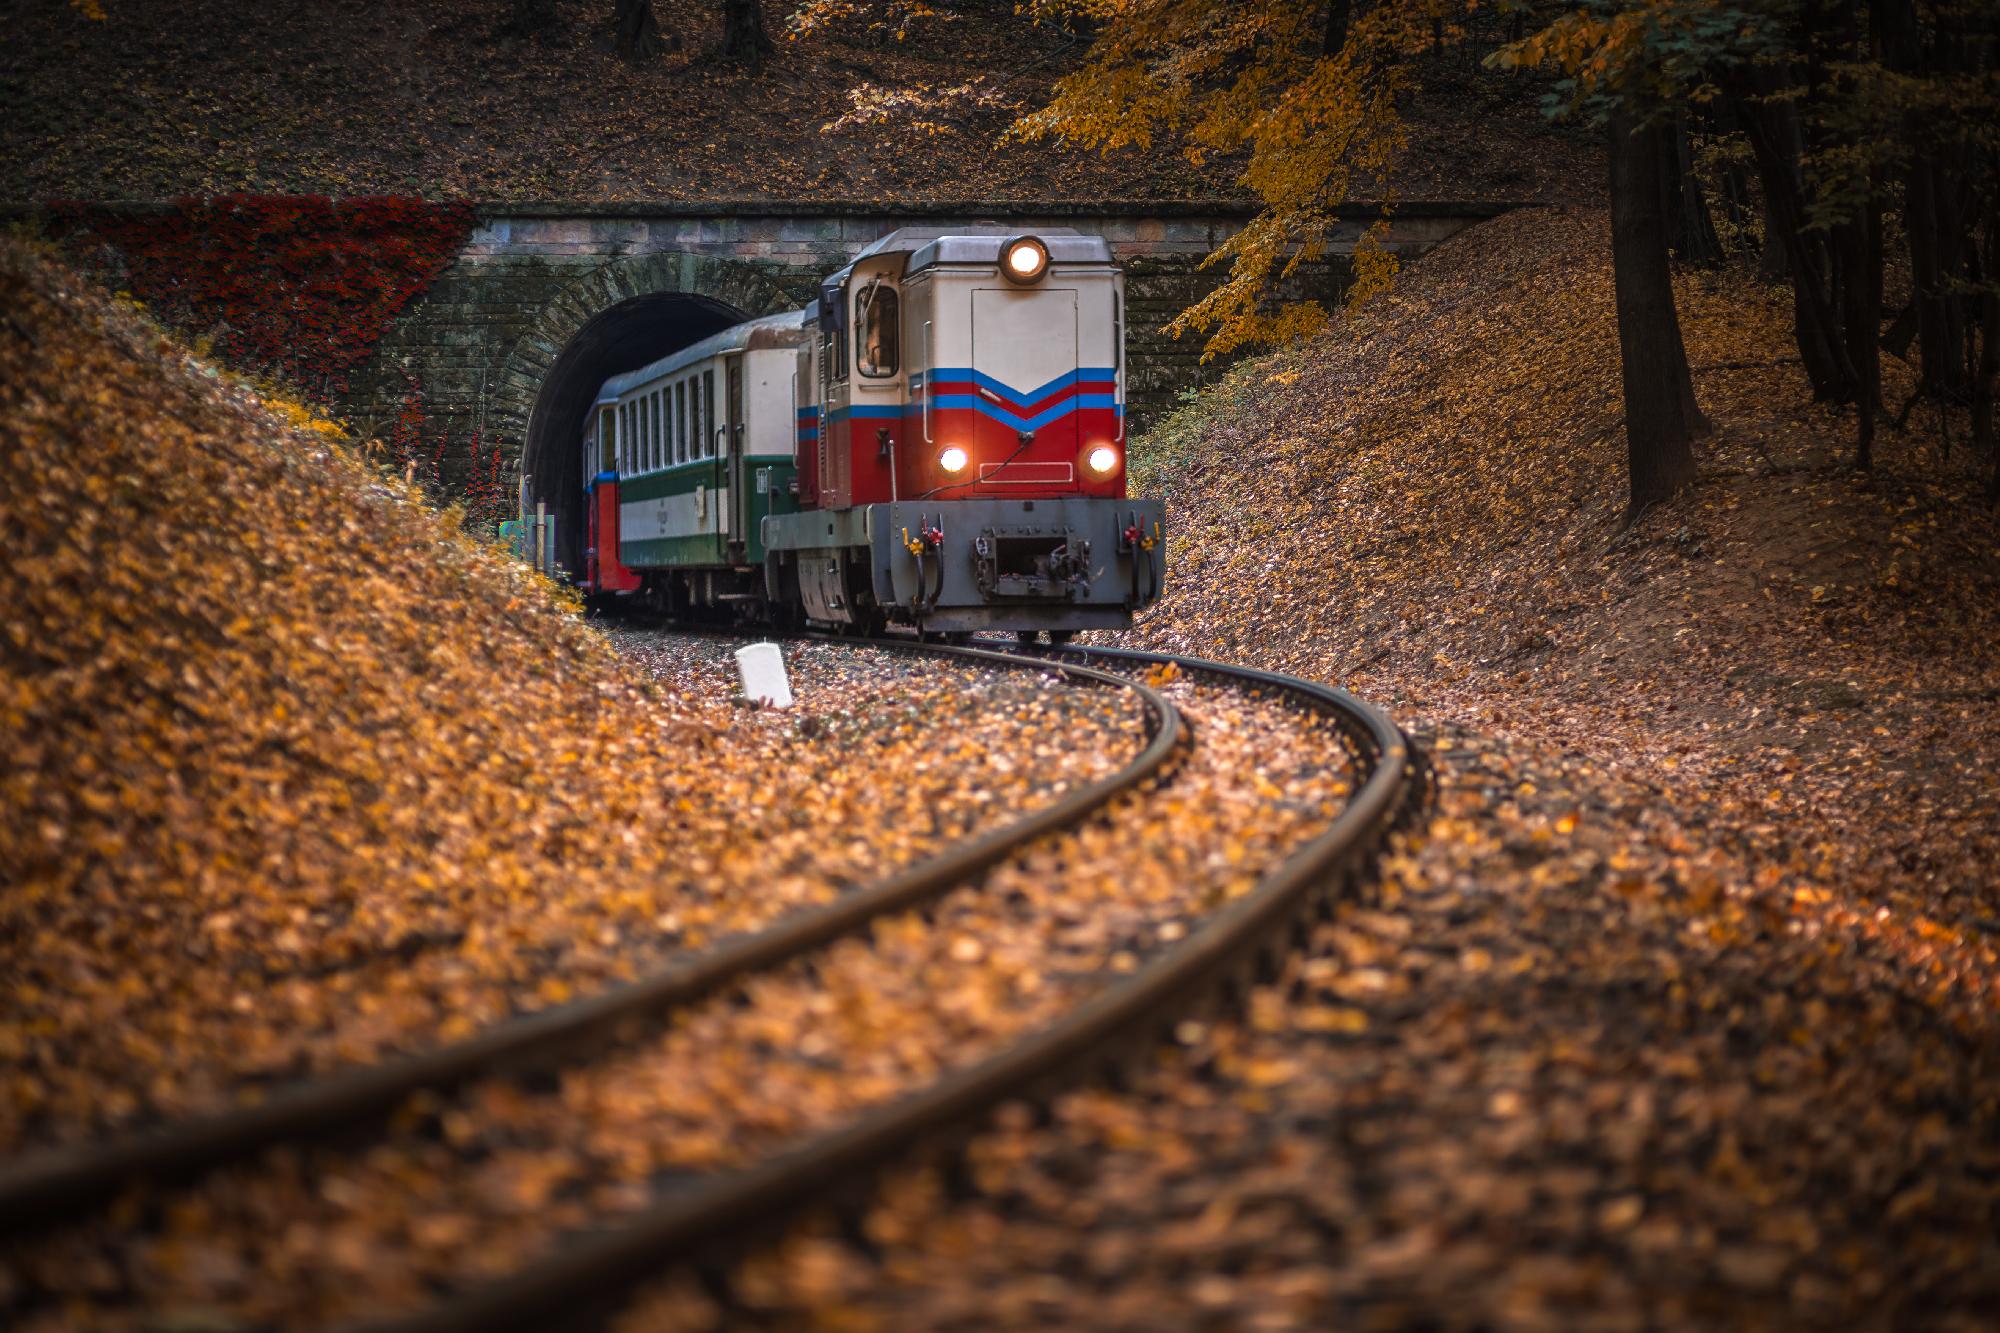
point(743, 35)
point(1690, 230)
point(1660, 415)
point(1988, 367)
point(1859, 242)
point(1772, 266)
point(638, 37)
point(532, 17)
point(1942, 361)
point(1338, 14)
point(1938, 360)
point(1772, 127)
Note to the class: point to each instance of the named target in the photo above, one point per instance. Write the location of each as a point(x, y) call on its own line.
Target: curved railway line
point(1232, 944)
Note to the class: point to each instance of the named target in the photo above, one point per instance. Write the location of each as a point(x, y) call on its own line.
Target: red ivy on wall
point(299, 286)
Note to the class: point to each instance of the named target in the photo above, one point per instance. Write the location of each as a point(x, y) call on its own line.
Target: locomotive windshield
point(880, 328)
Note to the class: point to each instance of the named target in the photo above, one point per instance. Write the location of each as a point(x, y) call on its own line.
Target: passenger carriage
point(690, 455)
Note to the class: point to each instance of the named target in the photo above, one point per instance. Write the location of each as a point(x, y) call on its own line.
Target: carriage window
point(878, 332)
point(694, 418)
point(708, 410)
point(607, 456)
point(628, 461)
point(681, 421)
point(659, 448)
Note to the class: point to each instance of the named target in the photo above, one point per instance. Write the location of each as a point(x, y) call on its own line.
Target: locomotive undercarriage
point(1060, 564)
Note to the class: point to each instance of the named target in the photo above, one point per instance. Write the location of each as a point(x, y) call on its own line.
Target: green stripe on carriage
point(673, 481)
point(704, 549)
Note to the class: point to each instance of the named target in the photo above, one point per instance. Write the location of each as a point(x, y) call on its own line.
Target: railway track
point(57, 1183)
point(1099, 1022)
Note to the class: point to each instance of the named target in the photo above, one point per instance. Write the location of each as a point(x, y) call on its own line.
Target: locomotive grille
point(1036, 564)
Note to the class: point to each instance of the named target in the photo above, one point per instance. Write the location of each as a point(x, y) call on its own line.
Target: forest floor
point(1684, 1012)
point(433, 97)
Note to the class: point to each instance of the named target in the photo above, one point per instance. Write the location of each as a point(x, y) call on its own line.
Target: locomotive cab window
point(878, 329)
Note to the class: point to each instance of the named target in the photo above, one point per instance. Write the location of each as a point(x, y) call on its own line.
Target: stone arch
point(615, 318)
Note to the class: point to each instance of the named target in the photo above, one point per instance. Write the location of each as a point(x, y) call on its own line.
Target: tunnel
point(619, 338)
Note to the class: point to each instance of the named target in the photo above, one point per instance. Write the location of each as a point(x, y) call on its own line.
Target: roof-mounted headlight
point(1024, 260)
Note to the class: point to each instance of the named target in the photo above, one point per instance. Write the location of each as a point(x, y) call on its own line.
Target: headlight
point(1103, 459)
point(1024, 259)
point(952, 459)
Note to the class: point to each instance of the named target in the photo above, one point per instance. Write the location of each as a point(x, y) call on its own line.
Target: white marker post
point(762, 666)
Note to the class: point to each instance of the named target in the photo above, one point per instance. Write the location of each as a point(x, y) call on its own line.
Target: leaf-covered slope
point(1424, 504)
point(266, 715)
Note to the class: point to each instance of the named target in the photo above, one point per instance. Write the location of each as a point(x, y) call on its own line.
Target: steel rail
point(558, 1289)
point(39, 1189)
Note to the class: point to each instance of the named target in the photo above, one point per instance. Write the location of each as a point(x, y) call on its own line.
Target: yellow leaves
point(1331, 1019)
point(1268, 1072)
point(1254, 78)
point(1373, 266)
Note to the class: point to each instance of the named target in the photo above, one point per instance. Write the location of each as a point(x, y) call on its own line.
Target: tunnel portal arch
point(621, 316)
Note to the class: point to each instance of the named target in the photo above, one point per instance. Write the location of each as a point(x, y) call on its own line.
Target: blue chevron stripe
point(1020, 398)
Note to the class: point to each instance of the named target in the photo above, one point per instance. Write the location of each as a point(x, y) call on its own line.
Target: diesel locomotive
point(937, 441)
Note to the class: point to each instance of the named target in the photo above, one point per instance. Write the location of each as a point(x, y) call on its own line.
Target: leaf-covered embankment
point(1425, 504)
point(267, 716)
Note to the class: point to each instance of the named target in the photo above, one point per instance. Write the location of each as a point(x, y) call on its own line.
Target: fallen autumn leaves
point(474, 1184)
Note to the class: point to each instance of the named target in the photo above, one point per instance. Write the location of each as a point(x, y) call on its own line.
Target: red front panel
point(1055, 461)
point(603, 571)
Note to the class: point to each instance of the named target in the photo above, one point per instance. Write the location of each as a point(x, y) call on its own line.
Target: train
point(937, 442)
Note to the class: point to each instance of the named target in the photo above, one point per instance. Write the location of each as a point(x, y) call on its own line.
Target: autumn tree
point(1311, 93)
